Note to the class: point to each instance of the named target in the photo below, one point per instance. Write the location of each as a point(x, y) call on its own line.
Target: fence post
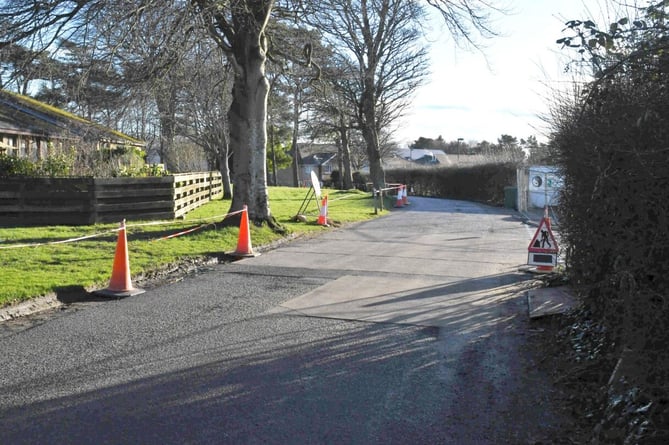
point(210, 183)
point(174, 187)
point(93, 201)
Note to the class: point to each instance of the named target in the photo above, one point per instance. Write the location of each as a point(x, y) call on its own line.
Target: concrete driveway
point(421, 265)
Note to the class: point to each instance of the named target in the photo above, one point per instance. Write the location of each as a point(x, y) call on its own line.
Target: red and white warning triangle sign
point(543, 241)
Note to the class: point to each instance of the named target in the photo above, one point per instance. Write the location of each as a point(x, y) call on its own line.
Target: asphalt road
point(411, 328)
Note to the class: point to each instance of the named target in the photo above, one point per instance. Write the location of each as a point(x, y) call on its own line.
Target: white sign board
point(316, 184)
point(542, 259)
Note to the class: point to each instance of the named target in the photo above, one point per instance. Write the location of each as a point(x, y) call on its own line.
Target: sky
point(505, 90)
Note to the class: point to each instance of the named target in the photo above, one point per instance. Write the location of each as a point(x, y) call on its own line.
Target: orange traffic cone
point(547, 217)
point(405, 199)
point(120, 284)
point(323, 215)
point(244, 248)
point(399, 202)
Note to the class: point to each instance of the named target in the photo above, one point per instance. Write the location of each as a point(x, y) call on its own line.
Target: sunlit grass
point(41, 268)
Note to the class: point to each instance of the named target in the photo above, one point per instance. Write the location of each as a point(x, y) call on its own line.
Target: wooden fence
point(81, 201)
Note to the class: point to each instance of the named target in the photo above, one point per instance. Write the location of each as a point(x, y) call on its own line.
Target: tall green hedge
point(612, 136)
point(481, 183)
point(615, 207)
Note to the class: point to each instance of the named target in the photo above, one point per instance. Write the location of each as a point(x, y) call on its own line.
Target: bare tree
point(205, 105)
point(334, 111)
point(467, 20)
point(381, 37)
point(280, 115)
point(240, 28)
point(237, 26)
point(299, 68)
point(380, 34)
point(151, 53)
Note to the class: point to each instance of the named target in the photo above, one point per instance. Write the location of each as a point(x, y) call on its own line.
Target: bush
point(15, 166)
point(616, 207)
point(56, 165)
point(360, 181)
point(481, 183)
point(612, 136)
point(122, 161)
point(335, 179)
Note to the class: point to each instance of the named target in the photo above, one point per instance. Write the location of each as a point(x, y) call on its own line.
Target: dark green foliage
point(615, 204)
point(430, 144)
point(613, 145)
point(121, 161)
point(481, 183)
point(360, 181)
point(15, 166)
point(335, 179)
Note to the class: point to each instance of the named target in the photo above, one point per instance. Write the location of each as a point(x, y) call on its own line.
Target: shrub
point(14, 166)
point(360, 181)
point(122, 161)
point(55, 165)
point(335, 179)
point(612, 136)
point(482, 183)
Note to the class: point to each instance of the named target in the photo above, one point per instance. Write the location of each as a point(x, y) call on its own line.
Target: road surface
point(411, 328)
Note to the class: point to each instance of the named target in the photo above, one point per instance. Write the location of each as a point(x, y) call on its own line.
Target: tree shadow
point(265, 379)
point(468, 285)
point(323, 391)
point(468, 305)
point(71, 294)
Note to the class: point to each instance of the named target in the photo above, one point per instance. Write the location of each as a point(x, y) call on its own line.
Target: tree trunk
point(271, 144)
point(296, 163)
point(224, 168)
point(166, 103)
point(340, 165)
point(376, 173)
point(345, 159)
point(296, 150)
point(370, 132)
point(248, 127)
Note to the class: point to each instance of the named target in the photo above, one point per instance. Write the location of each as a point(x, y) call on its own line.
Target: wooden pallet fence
point(81, 201)
point(45, 201)
point(133, 198)
point(194, 189)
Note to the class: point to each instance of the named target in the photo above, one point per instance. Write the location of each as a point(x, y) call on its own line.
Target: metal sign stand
point(313, 193)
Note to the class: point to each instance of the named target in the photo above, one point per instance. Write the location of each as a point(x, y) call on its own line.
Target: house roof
point(318, 158)
point(24, 115)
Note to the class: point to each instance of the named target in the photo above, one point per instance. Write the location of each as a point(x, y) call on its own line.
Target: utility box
point(511, 197)
point(538, 186)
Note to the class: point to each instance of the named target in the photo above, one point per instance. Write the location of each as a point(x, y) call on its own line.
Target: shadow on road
point(326, 391)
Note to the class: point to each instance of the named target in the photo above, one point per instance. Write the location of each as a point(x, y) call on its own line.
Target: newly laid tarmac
point(409, 328)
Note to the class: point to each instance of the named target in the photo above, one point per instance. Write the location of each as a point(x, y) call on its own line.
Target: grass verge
point(36, 261)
